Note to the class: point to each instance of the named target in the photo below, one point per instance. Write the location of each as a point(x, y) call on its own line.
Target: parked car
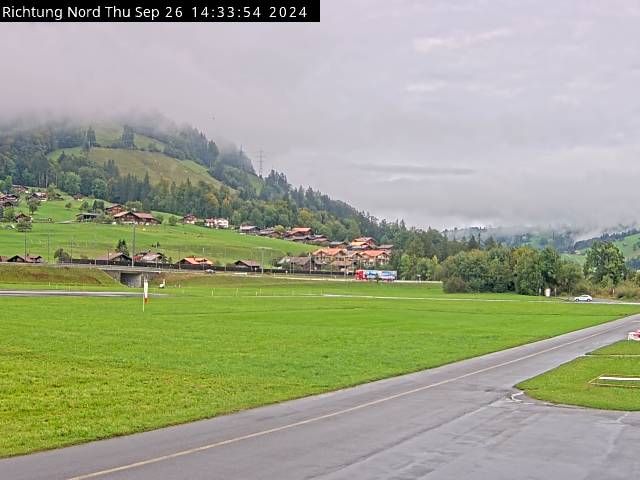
point(209, 271)
point(583, 298)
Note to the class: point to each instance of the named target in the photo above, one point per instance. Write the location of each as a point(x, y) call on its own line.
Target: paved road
point(70, 293)
point(453, 422)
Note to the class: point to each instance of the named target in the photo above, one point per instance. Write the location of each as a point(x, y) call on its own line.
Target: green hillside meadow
point(137, 163)
point(93, 240)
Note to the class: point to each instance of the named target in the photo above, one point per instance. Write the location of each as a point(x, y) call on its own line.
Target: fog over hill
point(442, 113)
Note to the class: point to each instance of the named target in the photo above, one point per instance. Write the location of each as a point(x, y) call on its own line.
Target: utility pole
point(260, 161)
point(25, 245)
point(133, 249)
point(48, 247)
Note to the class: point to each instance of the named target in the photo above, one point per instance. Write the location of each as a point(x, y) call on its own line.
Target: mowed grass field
point(79, 369)
point(94, 240)
point(576, 383)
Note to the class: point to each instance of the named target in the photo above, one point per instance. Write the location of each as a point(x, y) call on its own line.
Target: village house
point(338, 244)
point(19, 189)
point(22, 217)
point(195, 261)
point(40, 196)
point(114, 209)
point(248, 265)
point(387, 247)
point(375, 258)
point(139, 218)
point(326, 256)
point(248, 229)
point(22, 259)
point(86, 216)
point(9, 200)
point(114, 258)
point(189, 219)
point(216, 223)
point(299, 232)
point(305, 264)
point(320, 240)
point(150, 258)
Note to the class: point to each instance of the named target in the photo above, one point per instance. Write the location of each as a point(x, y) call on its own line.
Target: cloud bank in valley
point(442, 113)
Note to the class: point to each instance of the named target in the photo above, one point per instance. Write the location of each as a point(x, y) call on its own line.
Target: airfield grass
point(575, 383)
point(78, 369)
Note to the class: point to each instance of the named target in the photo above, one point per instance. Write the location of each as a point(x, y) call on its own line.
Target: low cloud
point(427, 45)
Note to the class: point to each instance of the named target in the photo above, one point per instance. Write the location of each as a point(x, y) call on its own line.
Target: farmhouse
point(114, 209)
point(216, 223)
point(299, 232)
point(248, 229)
point(298, 263)
point(139, 218)
point(189, 219)
point(22, 259)
point(86, 216)
point(23, 217)
point(150, 258)
point(248, 265)
point(9, 200)
point(202, 261)
point(114, 258)
point(40, 196)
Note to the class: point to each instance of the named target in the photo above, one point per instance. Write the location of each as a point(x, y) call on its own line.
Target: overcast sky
point(439, 112)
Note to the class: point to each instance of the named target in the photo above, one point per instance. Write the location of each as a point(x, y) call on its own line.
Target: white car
point(583, 298)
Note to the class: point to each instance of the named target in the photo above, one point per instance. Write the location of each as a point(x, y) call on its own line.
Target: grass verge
point(576, 382)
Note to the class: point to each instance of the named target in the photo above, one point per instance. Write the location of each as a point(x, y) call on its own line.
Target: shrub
point(455, 285)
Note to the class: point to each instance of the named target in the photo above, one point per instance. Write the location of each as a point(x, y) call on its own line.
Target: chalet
point(189, 219)
point(23, 217)
point(338, 244)
point(325, 256)
point(151, 258)
point(216, 223)
point(8, 202)
point(78, 196)
point(114, 209)
point(248, 265)
point(299, 232)
point(40, 196)
point(358, 246)
point(267, 232)
point(139, 218)
point(298, 263)
point(201, 261)
point(363, 242)
point(86, 216)
point(22, 259)
point(386, 246)
point(18, 189)
point(320, 240)
point(301, 238)
point(114, 258)
point(375, 257)
point(248, 229)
